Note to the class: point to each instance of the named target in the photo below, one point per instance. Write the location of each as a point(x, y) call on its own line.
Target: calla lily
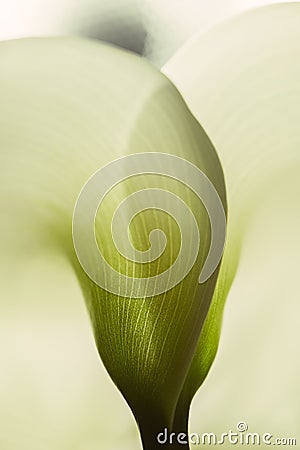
point(249, 85)
point(60, 123)
point(64, 121)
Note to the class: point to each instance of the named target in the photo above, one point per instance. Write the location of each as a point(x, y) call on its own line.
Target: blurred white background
point(157, 27)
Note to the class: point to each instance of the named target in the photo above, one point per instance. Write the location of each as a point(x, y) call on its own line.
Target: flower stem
point(161, 438)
